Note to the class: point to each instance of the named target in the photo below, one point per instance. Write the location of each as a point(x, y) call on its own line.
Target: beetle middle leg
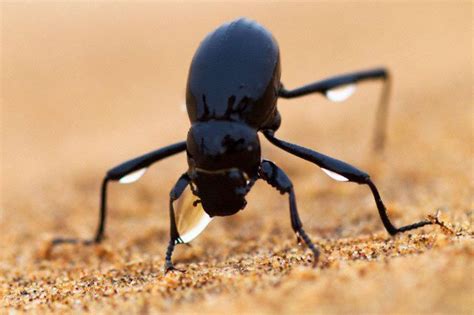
point(275, 176)
point(126, 172)
point(327, 85)
point(342, 171)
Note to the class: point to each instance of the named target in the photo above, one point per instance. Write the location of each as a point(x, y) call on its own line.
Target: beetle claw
point(171, 267)
point(299, 241)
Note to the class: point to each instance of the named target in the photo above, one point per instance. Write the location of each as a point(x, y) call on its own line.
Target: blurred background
point(87, 85)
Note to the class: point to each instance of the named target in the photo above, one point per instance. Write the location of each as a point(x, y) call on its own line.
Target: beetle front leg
point(275, 176)
point(342, 171)
point(175, 193)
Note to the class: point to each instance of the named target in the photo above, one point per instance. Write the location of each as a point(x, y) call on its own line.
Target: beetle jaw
point(221, 192)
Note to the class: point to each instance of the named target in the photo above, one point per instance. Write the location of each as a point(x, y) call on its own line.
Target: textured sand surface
point(86, 86)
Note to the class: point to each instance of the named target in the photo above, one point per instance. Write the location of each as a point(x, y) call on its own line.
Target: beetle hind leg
point(340, 87)
point(341, 171)
point(275, 176)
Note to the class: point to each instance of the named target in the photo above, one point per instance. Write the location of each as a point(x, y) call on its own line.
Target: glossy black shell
point(231, 94)
point(235, 75)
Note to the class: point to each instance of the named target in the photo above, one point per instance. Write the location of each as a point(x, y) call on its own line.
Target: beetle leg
point(126, 172)
point(275, 176)
point(331, 84)
point(175, 193)
point(342, 171)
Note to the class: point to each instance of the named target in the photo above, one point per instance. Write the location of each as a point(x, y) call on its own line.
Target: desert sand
point(86, 86)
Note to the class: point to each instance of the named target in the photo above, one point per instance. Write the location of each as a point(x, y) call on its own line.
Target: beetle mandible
point(232, 92)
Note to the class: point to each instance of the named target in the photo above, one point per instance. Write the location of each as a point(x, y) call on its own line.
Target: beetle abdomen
point(234, 73)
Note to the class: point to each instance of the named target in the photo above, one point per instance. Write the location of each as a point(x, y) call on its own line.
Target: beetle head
point(221, 192)
point(223, 160)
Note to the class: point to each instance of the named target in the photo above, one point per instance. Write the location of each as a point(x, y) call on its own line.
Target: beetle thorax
point(216, 145)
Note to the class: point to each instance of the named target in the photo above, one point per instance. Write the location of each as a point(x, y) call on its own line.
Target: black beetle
point(232, 91)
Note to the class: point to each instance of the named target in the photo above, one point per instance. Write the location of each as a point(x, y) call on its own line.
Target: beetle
point(232, 91)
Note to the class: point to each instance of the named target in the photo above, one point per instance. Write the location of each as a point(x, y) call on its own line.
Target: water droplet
point(183, 107)
point(191, 219)
point(341, 93)
point(334, 175)
point(133, 176)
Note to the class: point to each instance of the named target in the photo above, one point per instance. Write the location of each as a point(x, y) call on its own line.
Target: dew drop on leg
point(133, 176)
point(340, 93)
point(335, 176)
point(191, 219)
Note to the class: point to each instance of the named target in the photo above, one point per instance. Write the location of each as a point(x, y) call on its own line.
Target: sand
point(86, 86)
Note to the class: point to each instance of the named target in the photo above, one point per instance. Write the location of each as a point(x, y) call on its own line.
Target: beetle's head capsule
point(223, 158)
point(221, 192)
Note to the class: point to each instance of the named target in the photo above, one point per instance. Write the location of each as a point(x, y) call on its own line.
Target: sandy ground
point(86, 86)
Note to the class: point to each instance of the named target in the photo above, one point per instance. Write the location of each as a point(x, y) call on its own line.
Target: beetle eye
point(133, 176)
point(340, 93)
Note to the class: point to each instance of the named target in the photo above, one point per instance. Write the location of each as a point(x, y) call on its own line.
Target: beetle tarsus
point(391, 229)
point(435, 219)
point(60, 241)
point(412, 226)
point(170, 267)
point(168, 263)
point(302, 234)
